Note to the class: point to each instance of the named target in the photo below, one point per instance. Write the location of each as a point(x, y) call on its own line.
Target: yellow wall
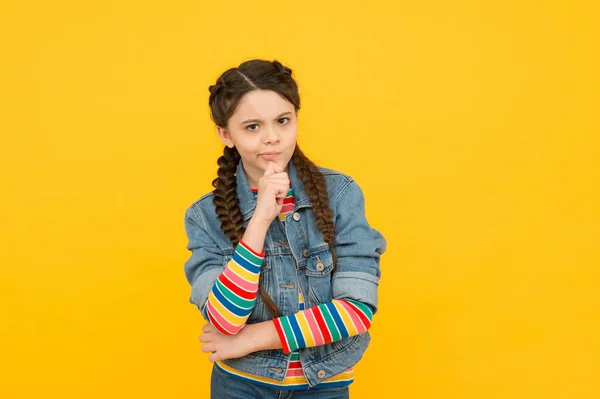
point(472, 128)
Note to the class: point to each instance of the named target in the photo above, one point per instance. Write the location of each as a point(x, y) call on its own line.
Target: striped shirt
point(233, 294)
point(232, 299)
point(323, 324)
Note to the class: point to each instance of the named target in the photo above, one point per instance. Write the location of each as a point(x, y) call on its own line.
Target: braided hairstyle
point(225, 95)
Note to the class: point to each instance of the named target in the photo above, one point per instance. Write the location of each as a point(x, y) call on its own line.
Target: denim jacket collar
point(246, 197)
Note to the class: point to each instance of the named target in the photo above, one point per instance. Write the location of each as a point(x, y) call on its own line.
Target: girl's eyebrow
point(258, 120)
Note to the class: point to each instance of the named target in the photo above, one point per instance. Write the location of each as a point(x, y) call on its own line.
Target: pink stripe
point(314, 327)
point(239, 281)
point(360, 327)
point(214, 322)
point(287, 208)
point(363, 316)
point(226, 325)
point(294, 373)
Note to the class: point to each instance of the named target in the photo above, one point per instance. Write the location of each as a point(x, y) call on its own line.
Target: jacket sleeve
point(225, 296)
point(323, 324)
point(358, 247)
point(206, 261)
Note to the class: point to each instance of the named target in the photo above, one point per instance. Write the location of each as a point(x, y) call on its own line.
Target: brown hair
point(225, 95)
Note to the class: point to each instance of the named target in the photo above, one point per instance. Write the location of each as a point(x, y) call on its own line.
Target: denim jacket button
point(321, 373)
point(305, 253)
point(320, 266)
point(296, 216)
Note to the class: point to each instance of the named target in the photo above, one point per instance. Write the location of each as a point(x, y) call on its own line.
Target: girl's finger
point(214, 357)
point(281, 175)
point(276, 183)
point(204, 338)
point(207, 328)
point(283, 184)
point(282, 192)
point(210, 347)
point(275, 177)
point(272, 168)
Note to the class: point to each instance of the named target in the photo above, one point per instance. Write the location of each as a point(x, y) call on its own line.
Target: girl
point(284, 266)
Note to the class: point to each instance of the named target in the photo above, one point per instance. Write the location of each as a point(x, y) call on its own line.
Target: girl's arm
point(340, 318)
point(319, 325)
point(322, 324)
point(233, 294)
point(358, 248)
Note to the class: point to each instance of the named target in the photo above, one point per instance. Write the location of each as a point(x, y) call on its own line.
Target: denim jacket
point(291, 252)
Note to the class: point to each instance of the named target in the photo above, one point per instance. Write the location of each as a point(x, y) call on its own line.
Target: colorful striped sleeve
point(323, 324)
point(233, 294)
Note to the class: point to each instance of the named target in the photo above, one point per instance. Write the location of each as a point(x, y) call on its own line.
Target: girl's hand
point(223, 346)
point(251, 338)
point(273, 187)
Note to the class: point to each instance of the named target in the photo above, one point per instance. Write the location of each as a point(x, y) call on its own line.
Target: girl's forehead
point(261, 104)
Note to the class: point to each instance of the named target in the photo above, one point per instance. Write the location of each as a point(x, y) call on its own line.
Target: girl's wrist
point(255, 234)
point(260, 222)
point(263, 336)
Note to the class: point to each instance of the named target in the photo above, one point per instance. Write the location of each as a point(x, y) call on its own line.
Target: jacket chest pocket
point(319, 268)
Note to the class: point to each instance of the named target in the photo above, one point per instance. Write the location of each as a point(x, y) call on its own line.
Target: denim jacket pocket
point(319, 266)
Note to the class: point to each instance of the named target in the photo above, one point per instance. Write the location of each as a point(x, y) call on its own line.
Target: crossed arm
point(228, 305)
point(233, 297)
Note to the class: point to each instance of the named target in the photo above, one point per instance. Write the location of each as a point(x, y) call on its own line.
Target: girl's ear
point(224, 136)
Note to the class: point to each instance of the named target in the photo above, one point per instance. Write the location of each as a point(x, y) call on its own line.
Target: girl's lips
point(269, 156)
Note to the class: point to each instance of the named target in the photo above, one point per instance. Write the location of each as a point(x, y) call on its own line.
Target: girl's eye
point(249, 127)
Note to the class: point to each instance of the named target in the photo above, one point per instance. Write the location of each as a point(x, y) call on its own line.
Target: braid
point(224, 98)
point(225, 198)
point(229, 213)
point(315, 186)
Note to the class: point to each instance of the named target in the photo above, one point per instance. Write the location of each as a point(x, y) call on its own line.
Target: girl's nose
point(272, 135)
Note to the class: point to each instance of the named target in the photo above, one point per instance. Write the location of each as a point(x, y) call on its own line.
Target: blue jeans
point(223, 386)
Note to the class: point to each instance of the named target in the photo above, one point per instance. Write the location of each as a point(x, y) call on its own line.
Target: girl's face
point(263, 128)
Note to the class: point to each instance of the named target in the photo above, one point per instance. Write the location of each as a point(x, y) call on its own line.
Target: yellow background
point(471, 126)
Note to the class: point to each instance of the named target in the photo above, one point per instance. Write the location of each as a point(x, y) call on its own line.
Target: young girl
point(284, 265)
